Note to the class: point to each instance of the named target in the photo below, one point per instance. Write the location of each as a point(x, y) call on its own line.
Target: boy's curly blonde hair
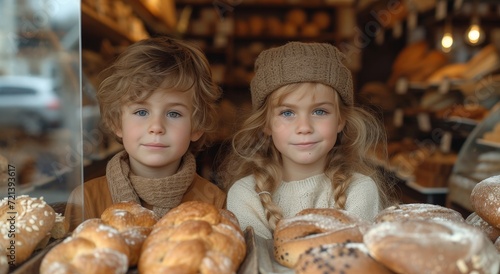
point(160, 62)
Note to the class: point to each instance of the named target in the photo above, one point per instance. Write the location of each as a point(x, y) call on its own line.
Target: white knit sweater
point(363, 200)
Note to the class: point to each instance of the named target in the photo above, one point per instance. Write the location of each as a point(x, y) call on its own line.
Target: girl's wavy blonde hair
point(160, 62)
point(253, 153)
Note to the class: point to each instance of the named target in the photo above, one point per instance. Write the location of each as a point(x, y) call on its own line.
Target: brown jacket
point(96, 197)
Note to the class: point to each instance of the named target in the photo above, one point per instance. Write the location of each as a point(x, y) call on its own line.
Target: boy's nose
point(156, 127)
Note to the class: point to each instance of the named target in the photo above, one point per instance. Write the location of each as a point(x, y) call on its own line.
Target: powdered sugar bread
point(485, 200)
point(432, 246)
point(418, 211)
point(347, 258)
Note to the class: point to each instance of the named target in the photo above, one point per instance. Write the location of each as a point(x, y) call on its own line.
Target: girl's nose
point(304, 125)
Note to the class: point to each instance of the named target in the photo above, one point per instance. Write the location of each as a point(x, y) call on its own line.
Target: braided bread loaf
point(93, 247)
point(26, 221)
point(194, 237)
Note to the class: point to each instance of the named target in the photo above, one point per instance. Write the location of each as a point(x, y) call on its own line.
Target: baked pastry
point(419, 211)
point(347, 258)
point(194, 237)
point(485, 200)
point(26, 221)
point(134, 223)
point(491, 232)
point(431, 246)
point(311, 228)
point(93, 247)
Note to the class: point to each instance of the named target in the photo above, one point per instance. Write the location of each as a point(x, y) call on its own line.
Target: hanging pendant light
point(474, 34)
point(447, 39)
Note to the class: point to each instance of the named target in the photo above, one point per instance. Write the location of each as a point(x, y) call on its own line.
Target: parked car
point(30, 103)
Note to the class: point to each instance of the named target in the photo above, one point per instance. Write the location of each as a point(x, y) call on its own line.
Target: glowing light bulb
point(447, 42)
point(475, 35)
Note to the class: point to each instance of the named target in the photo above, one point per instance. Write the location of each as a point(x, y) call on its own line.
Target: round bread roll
point(26, 221)
point(93, 247)
point(485, 200)
point(134, 222)
point(347, 258)
point(417, 211)
point(491, 232)
point(431, 246)
point(311, 228)
point(194, 237)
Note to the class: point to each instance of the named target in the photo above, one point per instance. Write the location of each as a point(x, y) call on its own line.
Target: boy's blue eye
point(141, 112)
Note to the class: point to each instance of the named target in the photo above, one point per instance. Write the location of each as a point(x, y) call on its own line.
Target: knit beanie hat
point(298, 62)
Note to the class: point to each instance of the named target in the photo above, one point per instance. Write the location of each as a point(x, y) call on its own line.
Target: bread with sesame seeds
point(25, 222)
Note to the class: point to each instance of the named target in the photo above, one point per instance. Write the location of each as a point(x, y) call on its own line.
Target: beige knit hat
point(298, 62)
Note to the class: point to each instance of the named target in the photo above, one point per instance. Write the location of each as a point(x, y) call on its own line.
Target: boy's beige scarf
point(162, 193)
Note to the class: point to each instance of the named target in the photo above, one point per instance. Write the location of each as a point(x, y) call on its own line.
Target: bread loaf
point(420, 211)
point(491, 232)
point(25, 222)
point(194, 237)
point(431, 246)
point(134, 223)
point(485, 200)
point(346, 258)
point(310, 228)
point(93, 247)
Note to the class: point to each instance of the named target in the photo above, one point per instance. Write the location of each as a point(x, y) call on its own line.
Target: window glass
point(40, 99)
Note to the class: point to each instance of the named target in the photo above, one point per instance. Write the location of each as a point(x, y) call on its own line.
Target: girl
point(305, 144)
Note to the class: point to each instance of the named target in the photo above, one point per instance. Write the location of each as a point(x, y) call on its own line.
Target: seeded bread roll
point(431, 246)
point(25, 222)
point(311, 228)
point(485, 200)
point(347, 258)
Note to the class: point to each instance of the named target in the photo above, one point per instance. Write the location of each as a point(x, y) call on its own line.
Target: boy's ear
point(196, 135)
point(118, 132)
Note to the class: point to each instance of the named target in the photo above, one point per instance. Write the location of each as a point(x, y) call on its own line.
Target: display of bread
point(493, 135)
point(194, 237)
point(416, 62)
point(26, 221)
point(405, 238)
point(93, 247)
point(311, 228)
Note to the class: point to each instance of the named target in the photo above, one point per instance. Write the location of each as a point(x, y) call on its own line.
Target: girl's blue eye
point(286, 113)
point(174, 114)
point(141, 112)
point(320, 112)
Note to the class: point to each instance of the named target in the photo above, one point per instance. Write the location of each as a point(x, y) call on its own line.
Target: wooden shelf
point(102, 27)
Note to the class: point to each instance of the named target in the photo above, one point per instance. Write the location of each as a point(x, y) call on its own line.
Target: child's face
point(304, 127)
point(156, 133)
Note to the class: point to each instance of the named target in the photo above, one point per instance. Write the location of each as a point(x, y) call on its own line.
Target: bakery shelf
point(488, 143)
point(107, 28)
